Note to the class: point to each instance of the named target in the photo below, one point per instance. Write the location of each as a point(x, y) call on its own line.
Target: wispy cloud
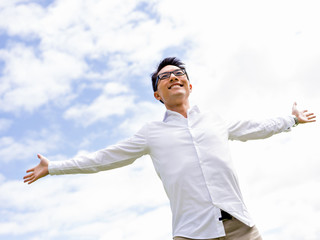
point(30, 81)
point(87, 212)
point(115, 100)
point(247, 59)
point(12, 149)
point(44, 71)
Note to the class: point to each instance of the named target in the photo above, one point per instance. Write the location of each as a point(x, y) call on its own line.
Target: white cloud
point(21, 18)
point(37, 74)
point(96, 206)
point(115, 100)
point(29, 81)
point(278, 177)
point(143, 112)
point(29, 146)
point(244, 58)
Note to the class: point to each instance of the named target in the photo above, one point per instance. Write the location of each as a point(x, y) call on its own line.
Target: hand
point(303, 116)
point(39, 171)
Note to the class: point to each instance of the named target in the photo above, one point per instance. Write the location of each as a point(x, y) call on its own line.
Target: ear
point(157, 96)
point(190, 86)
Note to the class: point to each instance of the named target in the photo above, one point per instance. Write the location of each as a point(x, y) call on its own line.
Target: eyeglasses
point(166, 75)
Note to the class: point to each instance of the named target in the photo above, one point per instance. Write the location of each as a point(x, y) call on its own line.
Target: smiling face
point(174, 90)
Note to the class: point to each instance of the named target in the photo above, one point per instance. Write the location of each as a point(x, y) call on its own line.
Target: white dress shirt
point(191, 157)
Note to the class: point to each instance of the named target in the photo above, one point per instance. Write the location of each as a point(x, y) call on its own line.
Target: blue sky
point(75, 77)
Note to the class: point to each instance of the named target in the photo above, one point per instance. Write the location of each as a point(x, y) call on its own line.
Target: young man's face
point(173, 90)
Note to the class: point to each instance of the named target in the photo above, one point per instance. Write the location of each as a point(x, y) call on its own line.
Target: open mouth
point(175, 86)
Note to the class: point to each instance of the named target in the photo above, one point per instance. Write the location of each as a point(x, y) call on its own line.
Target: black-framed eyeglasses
point(166, 75)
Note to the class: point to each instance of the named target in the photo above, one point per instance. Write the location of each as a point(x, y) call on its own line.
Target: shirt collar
point(172, 114)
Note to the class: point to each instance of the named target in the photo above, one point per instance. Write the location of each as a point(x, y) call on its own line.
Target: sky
point(75, 78)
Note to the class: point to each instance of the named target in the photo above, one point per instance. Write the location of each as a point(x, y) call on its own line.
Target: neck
point(181, 108)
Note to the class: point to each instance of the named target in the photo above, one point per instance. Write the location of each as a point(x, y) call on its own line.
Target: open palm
point(38, 171)
point(303, 116)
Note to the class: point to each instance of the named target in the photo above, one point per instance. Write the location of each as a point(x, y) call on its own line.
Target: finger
point(309, 114)
point(30, 170)
point(294, 106)
point(305, 111)
point(33, 180)
point(311, 117)
point(29, 179)
point(27, 176)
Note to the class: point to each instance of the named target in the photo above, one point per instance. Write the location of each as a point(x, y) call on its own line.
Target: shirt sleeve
point(118, 155)
point(250, 129)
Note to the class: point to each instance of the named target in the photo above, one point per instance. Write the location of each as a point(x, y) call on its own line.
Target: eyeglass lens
point(165, 75)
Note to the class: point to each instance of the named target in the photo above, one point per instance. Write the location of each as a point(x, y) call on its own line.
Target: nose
point(173, 77)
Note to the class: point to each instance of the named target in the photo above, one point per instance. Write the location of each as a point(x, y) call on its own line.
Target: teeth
point(176, 85)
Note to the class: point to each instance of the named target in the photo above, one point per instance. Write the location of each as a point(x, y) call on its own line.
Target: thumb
point(294, 107)
point(294, 104)
point(42, 158)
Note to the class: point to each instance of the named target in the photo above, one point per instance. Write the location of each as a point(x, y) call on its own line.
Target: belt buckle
point(225, 216)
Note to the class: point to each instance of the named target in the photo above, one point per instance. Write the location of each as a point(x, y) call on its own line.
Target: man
point(189, 150)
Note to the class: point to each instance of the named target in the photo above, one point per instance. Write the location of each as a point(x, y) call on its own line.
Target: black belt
point(225, 216)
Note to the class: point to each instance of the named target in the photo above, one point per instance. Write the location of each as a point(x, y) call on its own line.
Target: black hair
point(165, 62)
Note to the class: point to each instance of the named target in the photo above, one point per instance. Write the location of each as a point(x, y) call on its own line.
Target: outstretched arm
point(252, 129)
point(114, 156)
point(39, 171)
point(302, 116)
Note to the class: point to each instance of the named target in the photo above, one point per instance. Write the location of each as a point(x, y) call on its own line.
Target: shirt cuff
point(53, 168)
point(292, 121)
